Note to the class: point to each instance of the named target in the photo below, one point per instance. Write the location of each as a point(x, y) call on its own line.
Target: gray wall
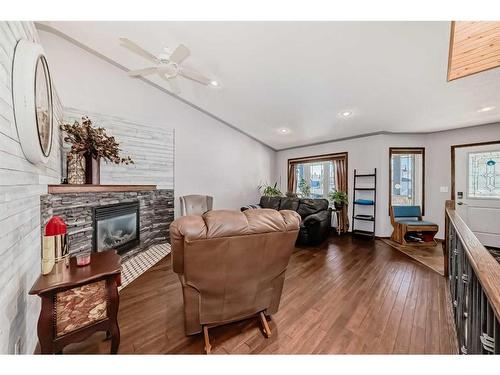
point(21, 184)
point(151, 148)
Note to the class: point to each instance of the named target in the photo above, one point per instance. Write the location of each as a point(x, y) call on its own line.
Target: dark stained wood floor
point(347, 296)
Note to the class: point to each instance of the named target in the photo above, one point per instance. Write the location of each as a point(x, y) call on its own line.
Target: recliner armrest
point(317, 217)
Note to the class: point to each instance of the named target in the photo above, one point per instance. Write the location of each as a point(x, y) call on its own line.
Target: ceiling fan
point(168, 65)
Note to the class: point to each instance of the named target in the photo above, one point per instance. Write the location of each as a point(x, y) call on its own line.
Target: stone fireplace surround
point(75, 205)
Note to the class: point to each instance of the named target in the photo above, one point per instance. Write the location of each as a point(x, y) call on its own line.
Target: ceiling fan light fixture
point(169, 66)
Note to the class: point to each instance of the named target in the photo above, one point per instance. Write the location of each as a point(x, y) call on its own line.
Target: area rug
point(430, 256)
point(135, 266)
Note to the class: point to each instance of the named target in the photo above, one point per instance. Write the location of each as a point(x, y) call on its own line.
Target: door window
point(484, 175)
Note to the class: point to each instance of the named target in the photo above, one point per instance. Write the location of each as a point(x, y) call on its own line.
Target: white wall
point(210, 157)
point(21, 184)
point(373, 152)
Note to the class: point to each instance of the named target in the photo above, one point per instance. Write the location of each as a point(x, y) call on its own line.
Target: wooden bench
point(406, 219)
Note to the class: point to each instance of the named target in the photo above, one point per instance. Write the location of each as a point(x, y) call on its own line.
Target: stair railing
point(474, 282)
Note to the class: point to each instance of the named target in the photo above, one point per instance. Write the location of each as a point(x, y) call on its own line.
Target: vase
point(338, 206)
point(92, 170)
point(76, 170)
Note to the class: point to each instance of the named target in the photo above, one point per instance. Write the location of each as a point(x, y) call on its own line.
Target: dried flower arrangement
point(87, 140)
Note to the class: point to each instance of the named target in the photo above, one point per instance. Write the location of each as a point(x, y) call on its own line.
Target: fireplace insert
point(116, 227)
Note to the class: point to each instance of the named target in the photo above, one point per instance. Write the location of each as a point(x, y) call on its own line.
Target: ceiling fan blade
point(173, 82)
point(194, 76)
point(131, 46)
point(180, 54)
point(142, 72)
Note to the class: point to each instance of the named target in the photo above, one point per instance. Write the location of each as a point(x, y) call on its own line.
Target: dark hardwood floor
point(347, 296)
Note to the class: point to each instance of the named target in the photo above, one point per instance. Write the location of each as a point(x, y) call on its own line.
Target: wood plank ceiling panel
point(474, 48)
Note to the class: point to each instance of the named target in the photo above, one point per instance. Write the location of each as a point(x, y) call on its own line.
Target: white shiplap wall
point(151, 148)
point(21, 184)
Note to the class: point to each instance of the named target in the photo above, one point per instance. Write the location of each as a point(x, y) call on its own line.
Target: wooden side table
point(78, 301)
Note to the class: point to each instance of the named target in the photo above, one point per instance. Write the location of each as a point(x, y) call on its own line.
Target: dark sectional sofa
point(315, 216)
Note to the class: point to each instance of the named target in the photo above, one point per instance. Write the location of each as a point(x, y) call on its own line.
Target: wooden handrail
point(486, 268)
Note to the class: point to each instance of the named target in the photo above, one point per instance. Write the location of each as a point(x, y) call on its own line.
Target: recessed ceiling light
point(486, 109)
point(346, 113)
point(284, 131)
point(214, 83)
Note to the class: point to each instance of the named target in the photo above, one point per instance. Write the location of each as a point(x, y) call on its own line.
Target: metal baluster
point(483, 319)
point(459, 317)
point(451, 247)
point(497, 337)
point(463, 298)
point(453, 278)
point(477, 315)
point(471, 315)
point(466, 277)
point(491, 328)
point(487, 337)
point(450, 251)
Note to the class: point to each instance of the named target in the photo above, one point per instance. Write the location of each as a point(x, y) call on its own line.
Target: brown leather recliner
point(231, 264)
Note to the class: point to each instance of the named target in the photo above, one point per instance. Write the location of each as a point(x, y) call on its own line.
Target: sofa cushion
point(289, 204)
point(415, 222)
point(270, 202)
point(406, 211)
point(311, 206)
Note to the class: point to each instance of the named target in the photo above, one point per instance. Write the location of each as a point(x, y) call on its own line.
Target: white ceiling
point(300, 75)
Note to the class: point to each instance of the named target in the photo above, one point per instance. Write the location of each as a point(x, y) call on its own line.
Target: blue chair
point(406, 219)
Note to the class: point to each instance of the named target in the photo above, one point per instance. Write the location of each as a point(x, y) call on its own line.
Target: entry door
point(477, 191)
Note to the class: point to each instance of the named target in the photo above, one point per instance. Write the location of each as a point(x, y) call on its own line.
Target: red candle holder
point(83, 259)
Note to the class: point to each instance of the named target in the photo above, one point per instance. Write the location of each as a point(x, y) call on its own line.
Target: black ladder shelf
point(357, 218)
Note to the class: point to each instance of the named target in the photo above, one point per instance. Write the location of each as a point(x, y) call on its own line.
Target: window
point(406, 178)
point(484, 175)
point(315, 177)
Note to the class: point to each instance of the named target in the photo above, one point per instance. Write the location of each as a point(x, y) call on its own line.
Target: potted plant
point(271, 190)
point(338, 198)
point(304, 188)
point(89, 145)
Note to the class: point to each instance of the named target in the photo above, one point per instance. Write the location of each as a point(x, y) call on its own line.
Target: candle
point(82, 259)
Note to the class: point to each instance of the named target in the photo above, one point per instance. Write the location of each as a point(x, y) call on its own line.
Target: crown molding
point(366, 135)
